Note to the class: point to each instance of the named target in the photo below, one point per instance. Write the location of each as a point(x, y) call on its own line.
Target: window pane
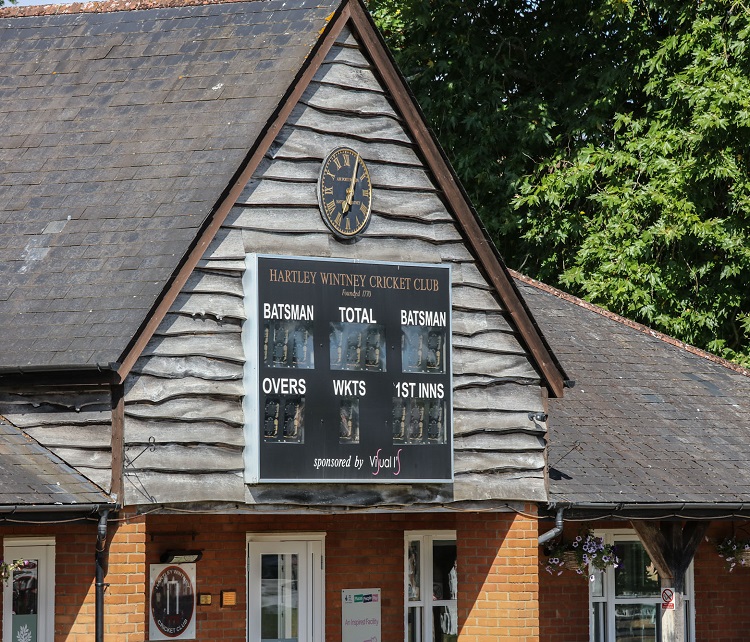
point(636, 575)
point(414, 566)
point(445, 623)
point(444, 570)
point(279, 596)
point(635, 623)
point(25, 601)
point(414, 624)
point(597, 586)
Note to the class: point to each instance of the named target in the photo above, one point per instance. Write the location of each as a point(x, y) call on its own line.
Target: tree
point(604, 145)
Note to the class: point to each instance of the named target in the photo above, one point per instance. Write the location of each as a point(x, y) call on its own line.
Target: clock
point(345, 193)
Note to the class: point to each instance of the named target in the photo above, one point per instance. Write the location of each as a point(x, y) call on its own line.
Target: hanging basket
point(571, 562)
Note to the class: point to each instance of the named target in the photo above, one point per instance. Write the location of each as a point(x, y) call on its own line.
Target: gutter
point(630, 510)
point(56, 508)
point(72, 367)
point(619, 506)
point(60, 374)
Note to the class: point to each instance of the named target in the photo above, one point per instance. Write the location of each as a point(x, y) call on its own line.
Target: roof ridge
point(105, 6)
point(639, 327)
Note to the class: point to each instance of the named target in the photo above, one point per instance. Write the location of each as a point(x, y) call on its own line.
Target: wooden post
point(671, 547)
point(117, 441)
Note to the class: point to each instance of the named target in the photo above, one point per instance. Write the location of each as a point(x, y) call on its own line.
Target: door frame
point(43, 549)
point(314, 544)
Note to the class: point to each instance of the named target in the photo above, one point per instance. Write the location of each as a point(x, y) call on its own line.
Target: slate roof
point(650, 420)
point(119, 132)
point(30, 475)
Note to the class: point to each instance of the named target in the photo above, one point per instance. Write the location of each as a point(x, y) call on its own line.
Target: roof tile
point(96, 131)
point(650, 420)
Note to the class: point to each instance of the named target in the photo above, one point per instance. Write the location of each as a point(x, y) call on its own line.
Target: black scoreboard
point(351, 376)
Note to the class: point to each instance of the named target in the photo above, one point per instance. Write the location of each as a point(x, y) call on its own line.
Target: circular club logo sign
point(172, 601)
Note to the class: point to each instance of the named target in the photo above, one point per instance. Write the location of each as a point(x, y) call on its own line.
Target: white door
point(29, 595)
point(285, 590)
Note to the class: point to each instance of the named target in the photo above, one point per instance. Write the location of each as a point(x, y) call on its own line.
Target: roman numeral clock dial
point(345, 193)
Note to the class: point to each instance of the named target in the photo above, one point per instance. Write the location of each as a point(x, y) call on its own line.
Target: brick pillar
point(498, 577)
point(125, 608)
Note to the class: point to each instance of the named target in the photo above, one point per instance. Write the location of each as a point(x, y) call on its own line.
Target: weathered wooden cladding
point(183, 412)
point(75, 423)
point(184, 396)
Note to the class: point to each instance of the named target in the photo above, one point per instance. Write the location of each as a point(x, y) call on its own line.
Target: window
point(626, 602)
point(431, 587)
point(29, 608)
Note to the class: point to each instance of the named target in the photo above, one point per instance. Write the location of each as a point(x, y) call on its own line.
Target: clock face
point(345, 193)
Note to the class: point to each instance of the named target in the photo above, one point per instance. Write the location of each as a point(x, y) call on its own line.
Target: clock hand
point(350, 191)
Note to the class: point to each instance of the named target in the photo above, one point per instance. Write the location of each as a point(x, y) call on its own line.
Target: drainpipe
point(101, 539)
point(551, 534)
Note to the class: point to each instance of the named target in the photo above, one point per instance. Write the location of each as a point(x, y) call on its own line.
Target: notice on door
point(360, 615)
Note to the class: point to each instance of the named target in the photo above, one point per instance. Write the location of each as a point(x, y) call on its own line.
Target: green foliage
point(604, 144)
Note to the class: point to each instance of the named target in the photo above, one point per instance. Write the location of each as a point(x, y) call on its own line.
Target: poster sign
point(667, 599)
point(352, 375)
point(172, 602)
point(360, 615)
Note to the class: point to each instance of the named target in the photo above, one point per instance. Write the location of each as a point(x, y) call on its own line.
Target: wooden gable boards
point(183, 394)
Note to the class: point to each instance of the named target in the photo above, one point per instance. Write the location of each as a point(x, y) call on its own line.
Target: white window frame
point(425, 538)
point(42, 549)
point(613, 536)
point(314, 544)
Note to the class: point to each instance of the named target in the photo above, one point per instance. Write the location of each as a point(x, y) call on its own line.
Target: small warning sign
point(667, 599)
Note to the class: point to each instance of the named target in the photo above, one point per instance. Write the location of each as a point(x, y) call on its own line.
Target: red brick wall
point(361, 551)
point(127, 576)
point(75, 598)
point(563, 602)
point(498, 577)
point(497, 565)
point(721, 611)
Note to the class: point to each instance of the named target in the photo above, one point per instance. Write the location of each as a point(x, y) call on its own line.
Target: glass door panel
point(279, 597)
point(26, 602)
point(636, 623)
point(636, 575)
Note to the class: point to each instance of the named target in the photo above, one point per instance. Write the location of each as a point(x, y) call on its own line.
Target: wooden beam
point(691, 535)
point(671, 547)
point(117, 442)
point(656, 545)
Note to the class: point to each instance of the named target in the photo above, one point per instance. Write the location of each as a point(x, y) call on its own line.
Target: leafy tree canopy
point(604, 143)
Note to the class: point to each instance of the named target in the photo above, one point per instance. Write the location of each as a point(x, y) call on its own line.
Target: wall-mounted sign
point(172, 612)
point(360, 615)
point(667, 599)
point(349, 371)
